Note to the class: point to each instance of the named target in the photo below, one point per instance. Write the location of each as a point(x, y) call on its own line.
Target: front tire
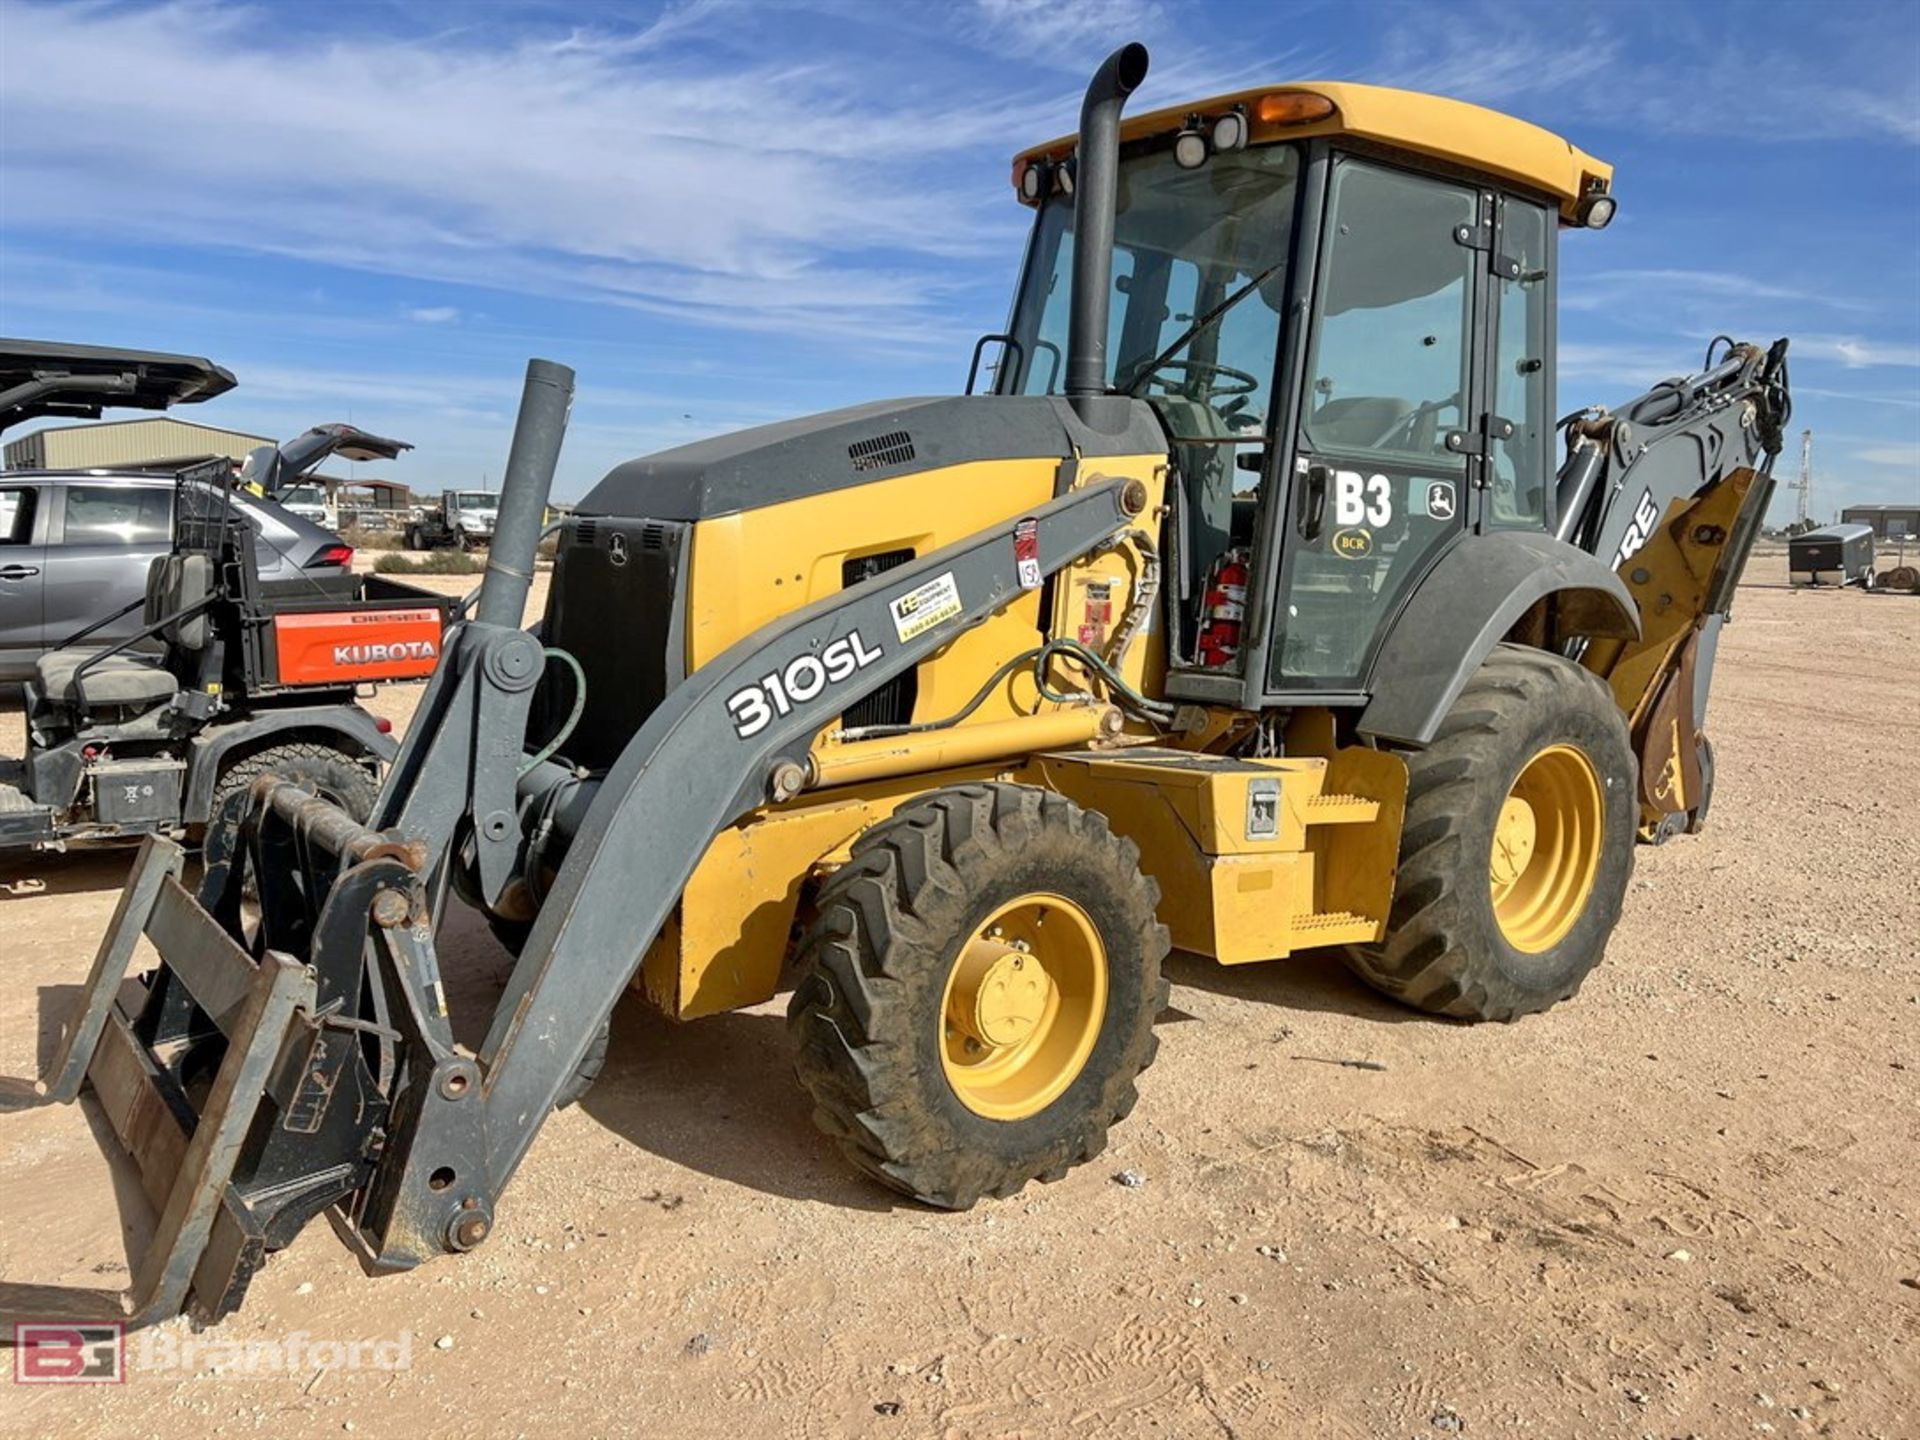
point(1517, 847)
point(979, 993)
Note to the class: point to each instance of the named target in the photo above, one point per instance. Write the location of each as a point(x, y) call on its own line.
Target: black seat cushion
point(117, 680)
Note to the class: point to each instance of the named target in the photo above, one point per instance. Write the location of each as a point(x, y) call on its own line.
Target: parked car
point(76, 546)
point(309, 502)
point(283, 472)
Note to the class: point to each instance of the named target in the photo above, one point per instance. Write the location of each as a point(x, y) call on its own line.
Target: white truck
point(462, 517)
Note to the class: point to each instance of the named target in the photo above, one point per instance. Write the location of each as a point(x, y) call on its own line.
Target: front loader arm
point(379, 1114)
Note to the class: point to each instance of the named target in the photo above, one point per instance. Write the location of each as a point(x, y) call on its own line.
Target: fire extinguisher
point(1223, 608)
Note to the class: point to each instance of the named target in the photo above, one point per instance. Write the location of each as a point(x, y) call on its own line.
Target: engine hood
point(839, 449)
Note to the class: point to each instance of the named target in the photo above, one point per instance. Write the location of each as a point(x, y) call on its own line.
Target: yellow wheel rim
point(1546, 848)
point(1023, 1006)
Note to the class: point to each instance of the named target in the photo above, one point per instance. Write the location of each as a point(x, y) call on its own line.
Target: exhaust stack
point(1095, 197)
point(545, 402)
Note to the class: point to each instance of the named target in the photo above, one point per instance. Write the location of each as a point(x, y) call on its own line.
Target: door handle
point(1312, 507)
point(18, 572)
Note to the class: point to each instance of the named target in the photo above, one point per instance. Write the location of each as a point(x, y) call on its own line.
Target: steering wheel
point(1241, 382)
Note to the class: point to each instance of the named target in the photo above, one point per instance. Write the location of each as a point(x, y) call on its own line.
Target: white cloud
point(1899, 402)
point(1857, 352)
point(434, 314)
point(1634, 365)
point(586, 167)
point(1063, 29)
point(1491, 64)
point(1719, 284)
point(1904, 457)
point(1698, 83)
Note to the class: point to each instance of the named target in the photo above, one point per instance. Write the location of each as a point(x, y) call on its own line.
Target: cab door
point(1388, 410)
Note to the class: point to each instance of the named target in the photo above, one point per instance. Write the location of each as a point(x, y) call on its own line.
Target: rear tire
point(1534, 756)
point(998, 909)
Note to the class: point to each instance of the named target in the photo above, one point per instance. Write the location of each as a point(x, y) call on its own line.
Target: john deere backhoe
point(1249, 612)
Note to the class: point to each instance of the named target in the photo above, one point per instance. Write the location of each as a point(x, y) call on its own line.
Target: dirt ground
point(1682, 1204)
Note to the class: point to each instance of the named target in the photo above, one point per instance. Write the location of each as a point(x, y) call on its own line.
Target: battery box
point(137, 792)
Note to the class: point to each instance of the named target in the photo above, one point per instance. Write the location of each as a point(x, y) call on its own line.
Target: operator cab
point(1349, 344)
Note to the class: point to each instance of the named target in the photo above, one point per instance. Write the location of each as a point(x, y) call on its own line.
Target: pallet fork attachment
point(186, 1160)
point(336, 1081)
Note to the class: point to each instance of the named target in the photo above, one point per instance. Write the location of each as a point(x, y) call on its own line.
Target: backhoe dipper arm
point(1670, 490)
point(1625, 468)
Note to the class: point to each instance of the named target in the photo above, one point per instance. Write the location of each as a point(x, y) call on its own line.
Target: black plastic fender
point(1475, 592)
point(211, 746)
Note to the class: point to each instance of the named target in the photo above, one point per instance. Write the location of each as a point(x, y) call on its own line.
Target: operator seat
point(1357, 422)
point(129, 681)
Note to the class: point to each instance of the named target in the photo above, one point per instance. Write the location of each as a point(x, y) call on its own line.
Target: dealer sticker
point(925, 606)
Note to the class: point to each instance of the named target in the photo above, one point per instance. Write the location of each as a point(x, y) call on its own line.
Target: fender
point(348, 722)
point(1474, 594)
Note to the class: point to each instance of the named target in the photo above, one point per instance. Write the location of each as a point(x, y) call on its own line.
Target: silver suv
point(76, 545)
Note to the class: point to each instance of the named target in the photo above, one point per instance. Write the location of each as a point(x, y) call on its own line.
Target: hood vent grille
point(881, 451)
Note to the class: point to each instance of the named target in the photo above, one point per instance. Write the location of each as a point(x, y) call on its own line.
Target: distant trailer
point(1834, 555)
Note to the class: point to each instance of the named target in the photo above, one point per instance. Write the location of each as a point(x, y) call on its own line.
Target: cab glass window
point(1389, 366)
point(1187, 244)
point(1518, 492)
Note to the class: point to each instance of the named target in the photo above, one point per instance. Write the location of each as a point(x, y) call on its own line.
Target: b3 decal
point(1362, 499)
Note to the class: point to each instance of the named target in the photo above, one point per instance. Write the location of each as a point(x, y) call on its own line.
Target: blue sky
point(723, 212)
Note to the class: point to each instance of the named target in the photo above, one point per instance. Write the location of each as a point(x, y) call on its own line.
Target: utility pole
point(1805, 487)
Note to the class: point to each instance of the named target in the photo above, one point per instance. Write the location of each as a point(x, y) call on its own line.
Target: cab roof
point(1469, 136)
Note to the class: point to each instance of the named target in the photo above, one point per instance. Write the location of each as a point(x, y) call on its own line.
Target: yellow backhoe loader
point(1248, 610)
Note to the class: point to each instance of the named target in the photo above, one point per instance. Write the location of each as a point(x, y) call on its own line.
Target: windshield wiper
point(1185, 337)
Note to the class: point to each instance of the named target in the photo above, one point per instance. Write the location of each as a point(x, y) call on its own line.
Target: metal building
point(158, 443)
point(1889, 522)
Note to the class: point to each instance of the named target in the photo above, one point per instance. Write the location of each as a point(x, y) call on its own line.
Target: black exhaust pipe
point(1096, 187)
point(545, 401)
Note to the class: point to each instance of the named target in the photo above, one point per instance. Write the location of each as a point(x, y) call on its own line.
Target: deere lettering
point(375, 654)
